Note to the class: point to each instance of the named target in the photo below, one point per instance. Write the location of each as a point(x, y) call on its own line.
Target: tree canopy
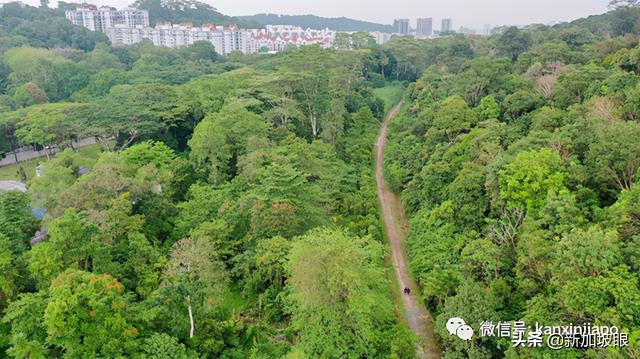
point(229, 206)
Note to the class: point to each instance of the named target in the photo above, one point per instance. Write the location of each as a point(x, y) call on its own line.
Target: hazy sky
point(471, 13)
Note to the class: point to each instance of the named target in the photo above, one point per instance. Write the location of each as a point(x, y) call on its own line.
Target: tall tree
point(513, 42)
point(341, 300)
point(73, 242)
point(130, 112)
point(221, 138)
point(16, 220)
point(89, 314)
point(196, 276)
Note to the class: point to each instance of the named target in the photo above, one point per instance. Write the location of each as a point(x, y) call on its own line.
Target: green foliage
point(72, 242)
point(283, 202)
point(16, 221)
point(58, 175)
point(50, 124)
point(514, 154)
point(337, 285)
point(88, 314)
point(101, 83)
point(513, 42)
point(353, 41)
point(221, 138)
point(625, 20)
point(28, 332)
point(145, 153)
point(160, 346)
point(488, 108)
point(572, 86)
point(530, 178)
point(9, 277)
point(81, 314)
point(529, 218)
point(391, 94)
point(202, 204)
point(44, 27)
point(547, 52)
point(200, 51)
point(614, 154)
point(181, 11)
point(520, 103)
point(194, 282)
point(134, 111)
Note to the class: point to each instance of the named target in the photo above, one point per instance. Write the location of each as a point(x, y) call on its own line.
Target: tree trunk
point(104, 143)
point(132, 138)
point(192, 330)
point(314, 126)
point(15, 155)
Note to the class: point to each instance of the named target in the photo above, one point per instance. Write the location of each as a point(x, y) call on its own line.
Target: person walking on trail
point(407, 291)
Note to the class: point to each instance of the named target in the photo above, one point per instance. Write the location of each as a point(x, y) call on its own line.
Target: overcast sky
point(471, 13)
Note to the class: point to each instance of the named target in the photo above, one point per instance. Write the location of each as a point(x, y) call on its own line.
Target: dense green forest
point(517, 160)
point(232, 212)
point(318, 22)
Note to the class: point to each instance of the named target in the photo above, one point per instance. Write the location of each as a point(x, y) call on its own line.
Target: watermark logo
point(535, 336)
point(457, 326)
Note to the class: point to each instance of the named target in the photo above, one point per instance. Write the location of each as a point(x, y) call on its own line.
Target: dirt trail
point(396, 226)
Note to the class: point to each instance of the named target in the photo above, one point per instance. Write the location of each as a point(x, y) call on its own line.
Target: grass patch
point(391, 94)
point(233, 302)
point(10, 172)
point(87, 156)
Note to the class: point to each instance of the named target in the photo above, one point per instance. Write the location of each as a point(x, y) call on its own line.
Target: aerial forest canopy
point(518, 167)
point(231, 211)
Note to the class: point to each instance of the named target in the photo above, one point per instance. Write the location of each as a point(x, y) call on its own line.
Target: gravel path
point(396, 226)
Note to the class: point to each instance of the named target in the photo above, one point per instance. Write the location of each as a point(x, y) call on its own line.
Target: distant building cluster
point(425, 28)
point(131, 26)
point(225, 39)
point(276, 38)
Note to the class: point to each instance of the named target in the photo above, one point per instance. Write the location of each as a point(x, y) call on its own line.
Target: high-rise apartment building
point(380, 37)
point(401, 26)
point(486, 31)
point(103, 18)
point(424, 27)
point(447, 25)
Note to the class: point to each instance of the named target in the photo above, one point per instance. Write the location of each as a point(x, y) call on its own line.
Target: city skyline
point(475, 15)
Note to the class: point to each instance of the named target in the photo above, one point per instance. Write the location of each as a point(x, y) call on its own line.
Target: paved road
point(28, 153)
point(396, 226)
point(12, 185)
